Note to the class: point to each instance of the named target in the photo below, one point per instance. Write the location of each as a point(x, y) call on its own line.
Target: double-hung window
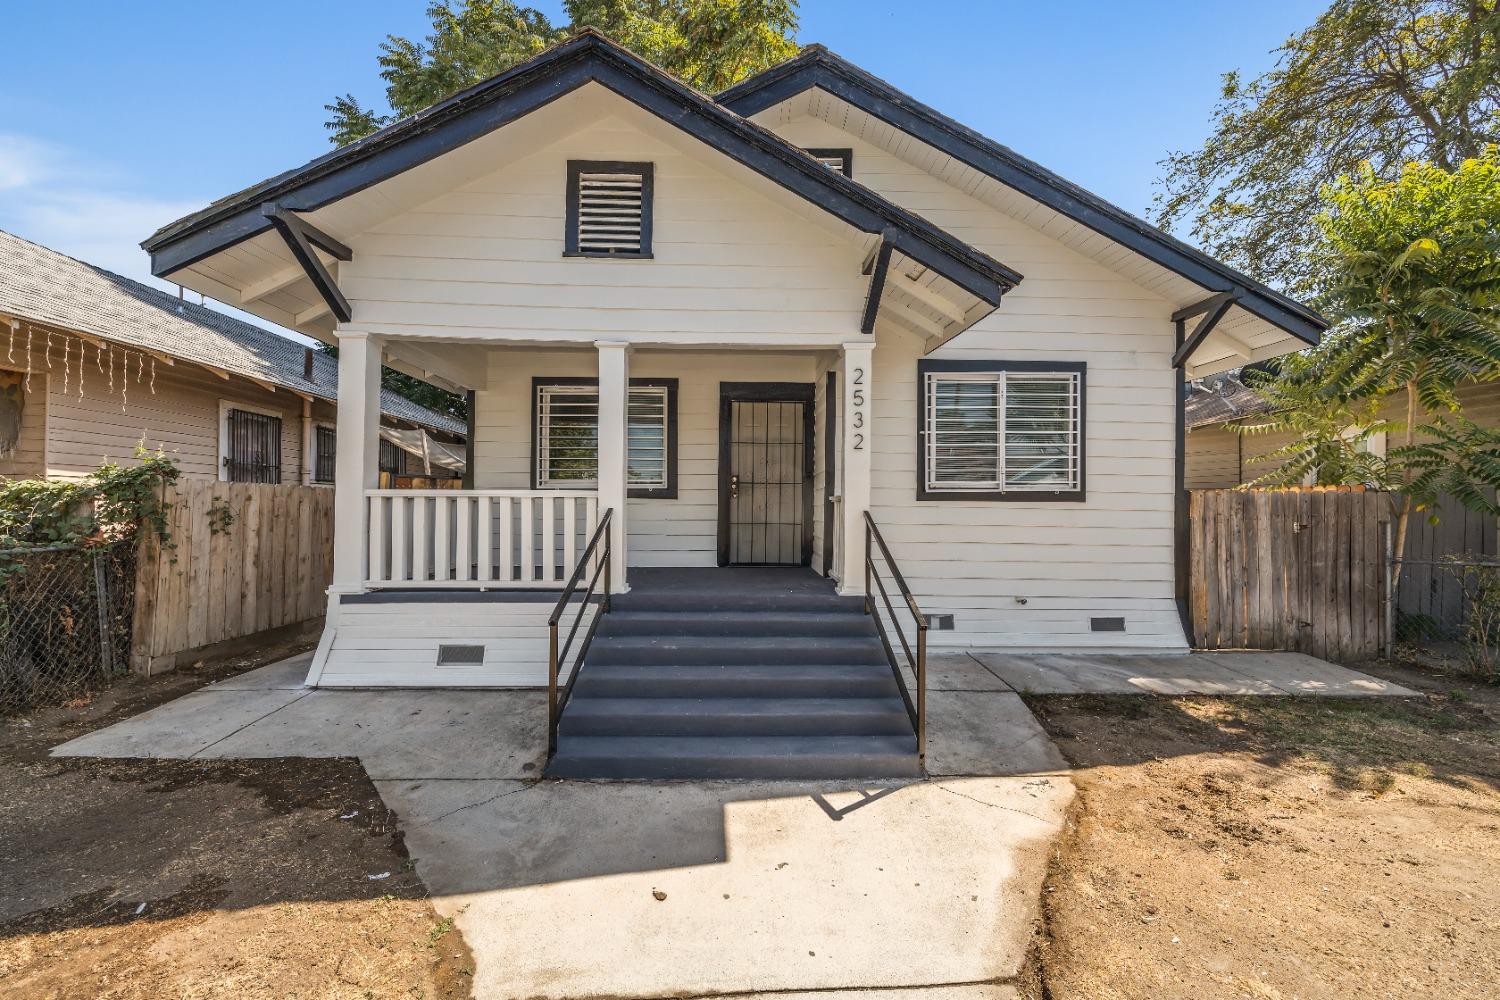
point(995, 430)
point(566, 441)
point(249, 444)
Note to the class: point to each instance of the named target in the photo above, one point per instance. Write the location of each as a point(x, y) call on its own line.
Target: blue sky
point(116, 118)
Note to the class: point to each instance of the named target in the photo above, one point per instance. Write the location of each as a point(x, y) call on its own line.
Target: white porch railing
point(476, 538)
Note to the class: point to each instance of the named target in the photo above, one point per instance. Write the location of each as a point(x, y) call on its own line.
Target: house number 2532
point(857, 410)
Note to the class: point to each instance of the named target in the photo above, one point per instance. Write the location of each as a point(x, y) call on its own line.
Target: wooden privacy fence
point(1301, 569)
point(242, 559)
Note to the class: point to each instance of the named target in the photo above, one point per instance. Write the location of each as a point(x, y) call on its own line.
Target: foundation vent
point(460, 656)
point(1107, 624)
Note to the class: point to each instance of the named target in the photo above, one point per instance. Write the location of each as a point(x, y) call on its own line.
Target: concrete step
point(653, 716)
point(749, 624)
point(775, 650)
point(736, 757)
point(711, 600)
point(738, 680)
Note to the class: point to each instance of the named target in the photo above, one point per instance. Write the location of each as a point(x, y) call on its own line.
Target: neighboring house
point(93, 364)
point(1218, 456)
point(741, 324)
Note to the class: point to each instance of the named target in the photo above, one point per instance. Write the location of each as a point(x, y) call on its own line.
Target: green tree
point(707, 43)
point(1378, 81)
point(1414, 283)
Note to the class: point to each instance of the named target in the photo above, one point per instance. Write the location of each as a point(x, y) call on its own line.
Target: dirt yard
point(1277, 848)
point(244, 879)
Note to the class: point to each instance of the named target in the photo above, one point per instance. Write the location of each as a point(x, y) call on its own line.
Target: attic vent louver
point(609, 209)
point(460, 656)
point(841, 160)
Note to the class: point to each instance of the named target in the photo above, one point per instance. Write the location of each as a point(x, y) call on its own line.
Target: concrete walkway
point(574, 890)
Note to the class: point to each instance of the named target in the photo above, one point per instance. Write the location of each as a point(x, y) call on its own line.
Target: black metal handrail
point(556, 703)
point(916, 661)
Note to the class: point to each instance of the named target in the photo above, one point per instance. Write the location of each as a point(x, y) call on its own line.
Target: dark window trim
point(319, 459)
point(846, 153)
point(255, 421)
point(669, 492)
point(648, 186)
point(929, 365)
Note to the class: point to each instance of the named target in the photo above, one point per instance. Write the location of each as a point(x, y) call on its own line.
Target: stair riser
point(598, 684)
point(875, 724)
point(819, 603)
point(791, 653)
point(833, 626)
point(766, 768)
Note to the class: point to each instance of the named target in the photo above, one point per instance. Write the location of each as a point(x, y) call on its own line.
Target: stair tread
point(735, 746)
point(766, 641)
point(733, 706)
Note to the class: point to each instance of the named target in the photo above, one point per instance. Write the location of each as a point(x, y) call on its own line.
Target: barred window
point(325, 450)
point(567, 436)
point(608, 209)
point(251, 447)
point(997, 431)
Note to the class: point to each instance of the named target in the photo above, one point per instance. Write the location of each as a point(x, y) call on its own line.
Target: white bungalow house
point(747, 328)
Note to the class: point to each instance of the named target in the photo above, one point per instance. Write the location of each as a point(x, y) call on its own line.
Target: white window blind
point(611, 207)
point(568, 437)
point(1004, 432)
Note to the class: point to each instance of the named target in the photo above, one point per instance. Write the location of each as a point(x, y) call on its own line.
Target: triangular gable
point(816, 67)
point(585, 58)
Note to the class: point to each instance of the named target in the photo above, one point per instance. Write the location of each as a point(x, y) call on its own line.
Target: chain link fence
point(65, 622)
point(1449, 608)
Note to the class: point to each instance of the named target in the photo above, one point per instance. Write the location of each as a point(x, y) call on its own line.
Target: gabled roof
point(42, 286)
point(815, 66)
point(588, 57)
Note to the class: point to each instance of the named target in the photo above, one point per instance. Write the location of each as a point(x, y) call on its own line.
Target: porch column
point(356, 466)
point(854, 463)
point(614, 401)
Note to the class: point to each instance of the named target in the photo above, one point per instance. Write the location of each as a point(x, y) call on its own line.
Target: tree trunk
point(1403, 517)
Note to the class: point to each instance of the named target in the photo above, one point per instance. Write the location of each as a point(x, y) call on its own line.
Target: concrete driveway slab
point(960, 672)
point(181, 728)
point(1298, 673)
point(986, 733)
point(290, 673)
point(713, 887)
point(407, 734)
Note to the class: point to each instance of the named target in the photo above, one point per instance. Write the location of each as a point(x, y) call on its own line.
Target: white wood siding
point(1110, 555)
point(396, 645)
point(29, 458)
point(680, 532)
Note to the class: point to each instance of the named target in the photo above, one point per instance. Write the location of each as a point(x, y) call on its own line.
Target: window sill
point(608, 256)
point(1012, 496)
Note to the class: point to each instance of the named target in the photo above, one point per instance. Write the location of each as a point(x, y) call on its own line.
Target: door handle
point(734, 487)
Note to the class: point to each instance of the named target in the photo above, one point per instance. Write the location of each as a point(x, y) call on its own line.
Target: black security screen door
point(765, 473)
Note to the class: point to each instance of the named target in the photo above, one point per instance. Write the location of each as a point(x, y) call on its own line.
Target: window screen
point(609, 209)
point(326, 445)
point(253, 452)
point(1005, 432)
point(567, 437)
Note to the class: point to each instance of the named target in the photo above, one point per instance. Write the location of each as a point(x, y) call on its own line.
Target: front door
point(765, 473)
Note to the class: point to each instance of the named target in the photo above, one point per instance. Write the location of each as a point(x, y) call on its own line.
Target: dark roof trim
point(585, 58)
point(815, 66)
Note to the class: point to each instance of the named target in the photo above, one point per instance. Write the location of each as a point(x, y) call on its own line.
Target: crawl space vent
point(1107, 624)
point(460, 656)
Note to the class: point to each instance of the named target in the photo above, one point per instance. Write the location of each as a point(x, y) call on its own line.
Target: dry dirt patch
point(1276, 848)
point(149, 879)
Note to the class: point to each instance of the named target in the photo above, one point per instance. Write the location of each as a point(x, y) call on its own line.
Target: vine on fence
point(107, 506)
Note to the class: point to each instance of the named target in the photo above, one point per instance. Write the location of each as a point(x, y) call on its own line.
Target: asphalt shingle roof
point(44, 286)
point(1221, 400)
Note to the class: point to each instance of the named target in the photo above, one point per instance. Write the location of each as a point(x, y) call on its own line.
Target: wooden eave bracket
point(876, 268)
point(301, 237)
point(1212, 309)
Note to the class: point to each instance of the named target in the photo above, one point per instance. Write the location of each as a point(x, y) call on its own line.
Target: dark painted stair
point(735, 673)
